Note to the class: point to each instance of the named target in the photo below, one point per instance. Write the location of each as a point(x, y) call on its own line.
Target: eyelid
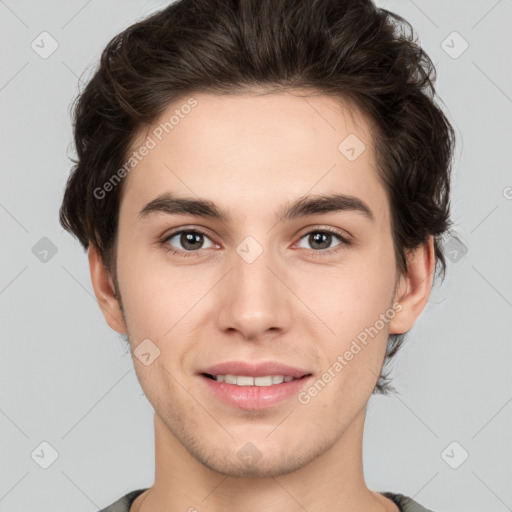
point(345, 239)
point(329, 229)
point(181, 229)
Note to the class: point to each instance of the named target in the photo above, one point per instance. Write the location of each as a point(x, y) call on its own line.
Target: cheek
point(358, 299)
point(161, 302)
point(147, 298)
point(358, 308)
point(359, 314)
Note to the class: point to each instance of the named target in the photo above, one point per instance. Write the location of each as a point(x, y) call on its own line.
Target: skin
point(249, 154)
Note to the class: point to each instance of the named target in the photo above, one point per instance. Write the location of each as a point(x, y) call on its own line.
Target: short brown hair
point(345, 48)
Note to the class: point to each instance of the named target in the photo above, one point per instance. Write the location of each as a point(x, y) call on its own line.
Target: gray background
point(66, 378)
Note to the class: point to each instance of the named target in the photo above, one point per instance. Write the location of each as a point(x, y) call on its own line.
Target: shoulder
point(406, 504)
point(123, 504)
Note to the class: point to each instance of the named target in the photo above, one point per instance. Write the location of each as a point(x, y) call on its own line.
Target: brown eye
point(322, 240)
point(189, 240)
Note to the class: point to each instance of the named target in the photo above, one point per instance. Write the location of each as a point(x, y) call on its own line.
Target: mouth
point(253, 386)
point(247, 380)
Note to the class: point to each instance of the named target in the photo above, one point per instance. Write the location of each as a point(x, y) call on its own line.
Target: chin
point(265, 467)
point(261, 459)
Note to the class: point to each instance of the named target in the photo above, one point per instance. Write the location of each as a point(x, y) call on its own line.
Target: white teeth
point(263, 381)
point(244, 380)
point(230, 379)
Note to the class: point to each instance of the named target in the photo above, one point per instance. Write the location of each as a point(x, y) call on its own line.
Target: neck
point(332, 481)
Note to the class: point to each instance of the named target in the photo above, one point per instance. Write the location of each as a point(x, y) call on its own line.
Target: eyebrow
point(170, 204)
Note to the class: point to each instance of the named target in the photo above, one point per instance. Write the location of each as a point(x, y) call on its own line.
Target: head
point(252, 106)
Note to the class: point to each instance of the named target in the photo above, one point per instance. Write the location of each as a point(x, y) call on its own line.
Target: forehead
point(253, 150)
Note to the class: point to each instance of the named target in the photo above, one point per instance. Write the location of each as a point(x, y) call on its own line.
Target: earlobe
point(104, 290)
point(414, 288)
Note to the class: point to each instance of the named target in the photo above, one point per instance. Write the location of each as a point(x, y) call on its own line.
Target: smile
point(253, 393)
point(246, 380)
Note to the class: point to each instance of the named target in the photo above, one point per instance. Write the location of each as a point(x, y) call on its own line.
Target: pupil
point(189, 239)
point(322, 238)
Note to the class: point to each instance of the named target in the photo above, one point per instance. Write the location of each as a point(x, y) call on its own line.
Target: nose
point(254, 298)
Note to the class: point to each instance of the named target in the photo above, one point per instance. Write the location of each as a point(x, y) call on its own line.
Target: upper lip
point(255, 369)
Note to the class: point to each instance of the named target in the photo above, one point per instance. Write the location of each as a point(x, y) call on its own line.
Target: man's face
point(256, 289)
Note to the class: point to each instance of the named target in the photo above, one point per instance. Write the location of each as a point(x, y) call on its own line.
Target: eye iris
point(323, 239)
point(187, 240)
point(192, 240)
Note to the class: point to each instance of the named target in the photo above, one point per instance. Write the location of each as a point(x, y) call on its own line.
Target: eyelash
point(320, 253)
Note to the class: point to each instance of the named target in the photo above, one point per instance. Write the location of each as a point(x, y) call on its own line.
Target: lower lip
point(254, 397)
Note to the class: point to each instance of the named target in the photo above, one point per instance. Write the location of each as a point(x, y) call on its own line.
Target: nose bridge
point(252, 275)
point(253, 299)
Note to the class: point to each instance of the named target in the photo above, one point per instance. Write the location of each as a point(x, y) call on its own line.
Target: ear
point(414, 288)
point(104, 290)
